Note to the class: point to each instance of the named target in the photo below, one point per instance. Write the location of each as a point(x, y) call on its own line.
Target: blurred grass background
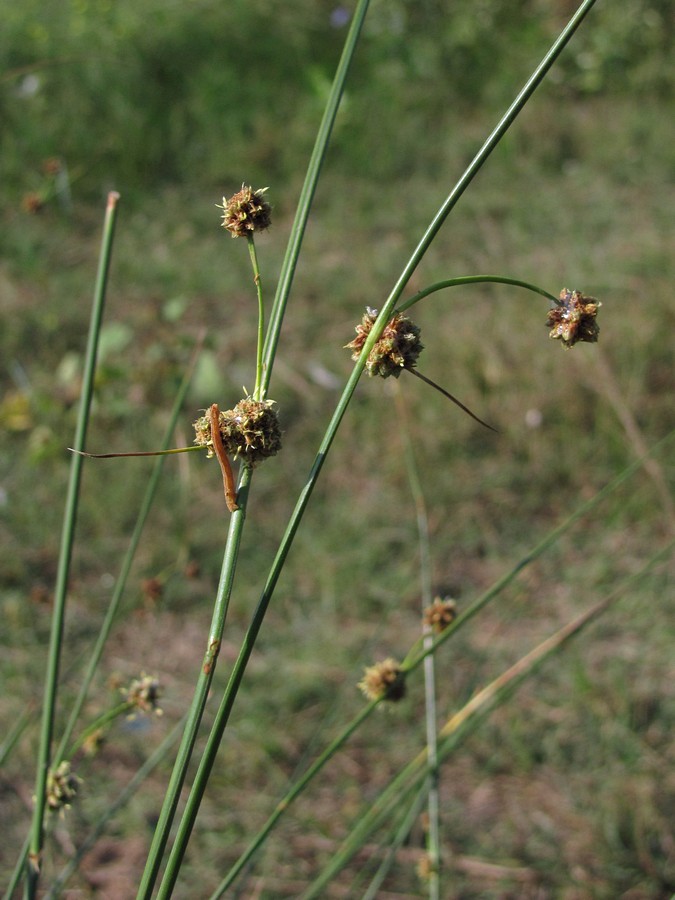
point(570, 790)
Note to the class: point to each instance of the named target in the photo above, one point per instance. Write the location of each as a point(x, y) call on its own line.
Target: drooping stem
point(450, 397)
point(475, 279)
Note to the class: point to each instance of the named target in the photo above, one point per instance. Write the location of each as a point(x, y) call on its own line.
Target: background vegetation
point(569, 791)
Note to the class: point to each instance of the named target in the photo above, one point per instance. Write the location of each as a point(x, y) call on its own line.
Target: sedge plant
point(387, 343)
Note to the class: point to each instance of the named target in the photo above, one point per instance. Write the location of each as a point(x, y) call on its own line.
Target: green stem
point(474, 279)
point(283, 289)
point(99, 723)
point(65, 554)
point(120, 801)
point(127, 562)
point(308, 189)
point(294, 792)
point(413, 659)
point(464, 723)
point(200, 696)
point(419, 651)
point(430, 711)
point(258, 393)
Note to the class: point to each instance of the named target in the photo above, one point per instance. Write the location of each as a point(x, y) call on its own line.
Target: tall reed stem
point(222, 716)
point(65, 555)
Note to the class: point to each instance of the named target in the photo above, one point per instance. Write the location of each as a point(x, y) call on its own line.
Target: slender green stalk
point(308, 189)
point(402, 833)
point(419, 651)
point(15, 732)
point(286, 801)
point(129, 556)
point(100, 722)
point(474, 279)
point(65, 554)
point(258, 393)
point(415, 660)
point(196, 711)
point(430, 712)
point(474, 167)
point(464, 723)
point(120, 802)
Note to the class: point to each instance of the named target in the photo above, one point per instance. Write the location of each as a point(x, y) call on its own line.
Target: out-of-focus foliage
point(138, 93)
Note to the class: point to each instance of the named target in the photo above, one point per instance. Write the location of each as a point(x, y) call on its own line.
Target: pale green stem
point(308, 189)
point(201, 693)
point(415, 659)
point(383, 318)
point(120, 801)
point(461, 725)
point(474, 279)
point(400, 837)
point(65, 554)
point(121, 583)
point(258, 393)
point(430, 712)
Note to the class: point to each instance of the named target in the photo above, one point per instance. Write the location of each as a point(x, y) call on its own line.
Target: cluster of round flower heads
point(574, 319)
point(249, 432)
point(246, 212)
point(397, 349)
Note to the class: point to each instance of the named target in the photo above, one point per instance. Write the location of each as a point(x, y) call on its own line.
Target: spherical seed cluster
point(250, 431)
point(440, 614)
point(246, 212)
point(397, 349)
point(574, 319)
point(62, 787)
point(385, 680)
point(144, 693)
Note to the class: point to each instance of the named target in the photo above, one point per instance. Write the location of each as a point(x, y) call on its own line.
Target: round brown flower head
point(62, 786)
point(250, 431)
point(246, 212)
point(143, 693)
point(385, 680)
point(397, 349)
point(440, 614)
point(574, 319)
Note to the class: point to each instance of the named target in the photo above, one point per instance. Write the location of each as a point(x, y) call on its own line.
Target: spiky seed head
point(440, 614)
point(249, 432)
point(397, 349)
point(246, 212)
point(385, 680)
point(143, 694)
point(574, 319)
point(62, 786)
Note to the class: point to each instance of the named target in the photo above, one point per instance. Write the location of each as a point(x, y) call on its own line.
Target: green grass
point(566, 791)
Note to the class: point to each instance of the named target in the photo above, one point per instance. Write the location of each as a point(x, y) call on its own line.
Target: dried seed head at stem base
point(574, 319)
point(397, 349)
point(385, 680)
point(246, 212)
point(249, 432)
